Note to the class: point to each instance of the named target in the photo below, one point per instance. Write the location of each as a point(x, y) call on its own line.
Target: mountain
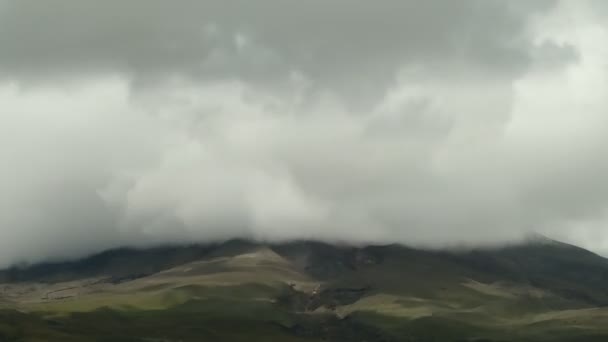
point(541, 290)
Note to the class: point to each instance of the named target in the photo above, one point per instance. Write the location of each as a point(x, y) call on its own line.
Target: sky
point(429, 123)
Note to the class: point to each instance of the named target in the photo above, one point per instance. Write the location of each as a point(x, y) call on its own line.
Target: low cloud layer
point(422, 122)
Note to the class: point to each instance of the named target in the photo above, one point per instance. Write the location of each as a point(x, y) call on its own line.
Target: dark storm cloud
point(350, 45)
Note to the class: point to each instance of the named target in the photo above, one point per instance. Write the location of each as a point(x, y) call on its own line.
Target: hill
point(239, 290)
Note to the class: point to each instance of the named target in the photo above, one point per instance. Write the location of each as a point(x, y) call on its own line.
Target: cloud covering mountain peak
point(421, 122)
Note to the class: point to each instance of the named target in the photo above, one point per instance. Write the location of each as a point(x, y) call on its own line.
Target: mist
point(428, 123)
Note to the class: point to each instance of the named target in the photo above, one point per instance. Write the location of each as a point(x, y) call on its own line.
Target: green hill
point(239, 290)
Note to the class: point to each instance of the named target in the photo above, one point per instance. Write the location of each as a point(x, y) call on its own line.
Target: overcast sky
point(432, 123)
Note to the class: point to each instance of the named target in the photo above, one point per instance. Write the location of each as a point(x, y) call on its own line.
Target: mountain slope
point(540, 290)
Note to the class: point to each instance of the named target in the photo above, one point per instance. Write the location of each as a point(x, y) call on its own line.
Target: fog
point(428, 123)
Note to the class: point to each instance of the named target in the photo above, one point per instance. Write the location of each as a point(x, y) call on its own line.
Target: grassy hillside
point(309, 291)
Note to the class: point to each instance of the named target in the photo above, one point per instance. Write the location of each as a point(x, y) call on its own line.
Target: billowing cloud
point(423, 122)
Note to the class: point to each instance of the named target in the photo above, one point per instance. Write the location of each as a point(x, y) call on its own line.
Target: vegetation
point(306, 291)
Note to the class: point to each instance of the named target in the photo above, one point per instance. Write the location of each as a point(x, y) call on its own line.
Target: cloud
point(353, 46)
point(426, 123)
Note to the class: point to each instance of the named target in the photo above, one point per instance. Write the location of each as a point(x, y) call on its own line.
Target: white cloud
point(461, 136)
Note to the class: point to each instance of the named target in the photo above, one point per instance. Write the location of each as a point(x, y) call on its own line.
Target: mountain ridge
point(310, 290)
